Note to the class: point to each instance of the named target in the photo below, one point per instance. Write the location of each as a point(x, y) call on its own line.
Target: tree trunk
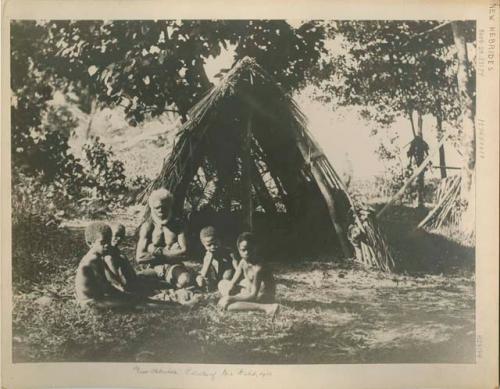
point(91, 113)
point(442, 162)
point(442, 158)
point(203, 78)
point(185, 104)
point(410, 116)
point(468, 135)
point(467, 107)
point(419, 159)
point(246, 176)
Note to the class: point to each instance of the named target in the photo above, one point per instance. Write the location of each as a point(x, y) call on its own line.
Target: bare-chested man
point(162, 238)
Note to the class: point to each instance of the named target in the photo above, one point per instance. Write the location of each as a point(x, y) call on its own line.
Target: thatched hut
point(246, 149)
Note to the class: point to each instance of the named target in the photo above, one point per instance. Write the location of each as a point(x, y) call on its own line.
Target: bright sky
point(346, 139)
point(223, 61)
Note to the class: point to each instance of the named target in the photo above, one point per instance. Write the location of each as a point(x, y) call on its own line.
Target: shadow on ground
point(331, 312)
point(420, 252)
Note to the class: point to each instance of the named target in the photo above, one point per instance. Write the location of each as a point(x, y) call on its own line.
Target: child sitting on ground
point(120, 272)
point(257, 287)
point(92, 286)
point(118, 269)
point(218, 262)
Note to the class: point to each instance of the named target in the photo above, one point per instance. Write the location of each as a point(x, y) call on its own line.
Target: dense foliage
point(146, 68)
point(392, 69)
point(149, 67)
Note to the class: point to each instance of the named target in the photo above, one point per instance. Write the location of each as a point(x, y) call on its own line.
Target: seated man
point(162, 238)
point(123, 277)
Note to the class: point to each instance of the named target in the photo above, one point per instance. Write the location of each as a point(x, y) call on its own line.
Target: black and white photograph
point(243, 191)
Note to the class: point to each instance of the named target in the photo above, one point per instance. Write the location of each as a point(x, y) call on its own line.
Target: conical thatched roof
point(249, 109)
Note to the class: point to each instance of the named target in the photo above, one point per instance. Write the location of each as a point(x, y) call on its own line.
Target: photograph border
point(482, 374)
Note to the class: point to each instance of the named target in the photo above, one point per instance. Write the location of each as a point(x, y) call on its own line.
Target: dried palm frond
point(281, 132)
point(186, 156)
point(448, 208)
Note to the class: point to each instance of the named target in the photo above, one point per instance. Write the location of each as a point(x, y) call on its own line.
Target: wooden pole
point(419, 160)
point(260, 187)
point(246, 176)
point(277, 182)
point(327, 193)
point(447, 167)
point(442, 156)
point(410, 116)
point(415, 174)
point(286, 183)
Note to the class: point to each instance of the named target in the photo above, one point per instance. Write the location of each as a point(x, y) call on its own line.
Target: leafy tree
point(286, 53)
point(146, 67)
point(31, 93)
point(466, 81)
point(150, 67)
point(394, 68)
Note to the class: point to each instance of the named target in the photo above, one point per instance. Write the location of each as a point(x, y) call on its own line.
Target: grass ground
point(330, 312)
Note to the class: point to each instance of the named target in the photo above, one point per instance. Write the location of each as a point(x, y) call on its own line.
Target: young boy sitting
point(119, 272)
point(218, 262)
point(92, 286)
point(257, 287)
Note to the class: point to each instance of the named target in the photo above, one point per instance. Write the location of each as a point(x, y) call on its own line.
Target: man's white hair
point(162, 195)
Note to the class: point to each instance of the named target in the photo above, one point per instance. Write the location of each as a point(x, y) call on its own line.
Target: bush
point(104, 186)
point(104, 173)
point(82, 187)
point(43, 151)
point(34, 201)
point(39, 246)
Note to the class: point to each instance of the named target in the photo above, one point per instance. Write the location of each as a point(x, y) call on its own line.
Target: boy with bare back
point(92, 286)
point(252, 286)
point(218, 263)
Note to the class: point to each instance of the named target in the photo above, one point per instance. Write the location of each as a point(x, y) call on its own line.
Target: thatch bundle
point(448, 209)
point(247, 145)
